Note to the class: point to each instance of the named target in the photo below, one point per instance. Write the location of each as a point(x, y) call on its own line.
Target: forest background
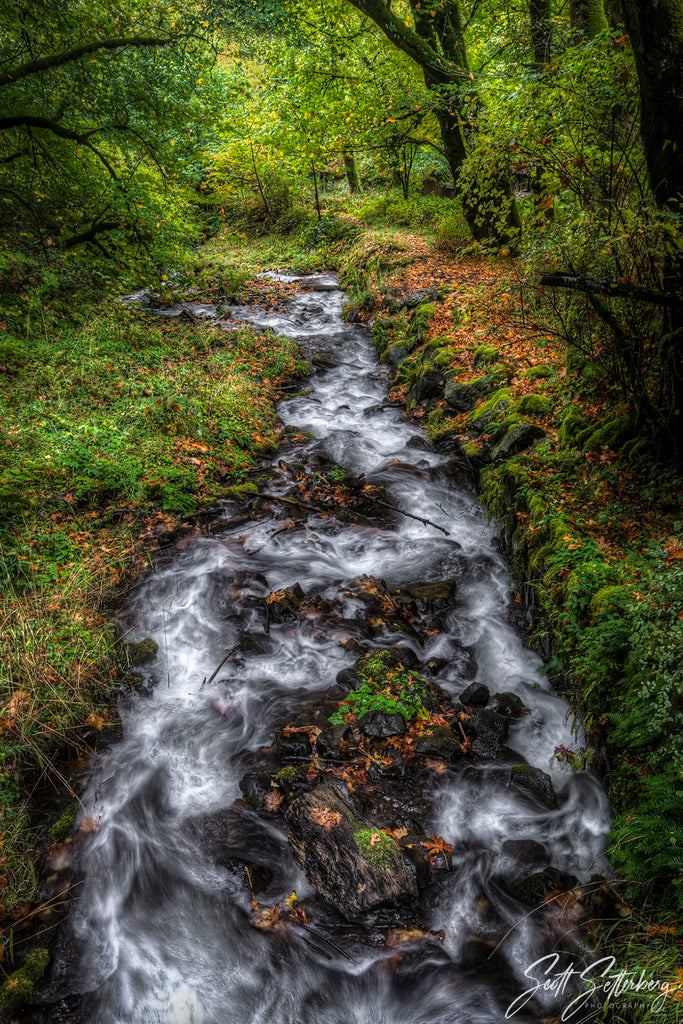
point(522, 160)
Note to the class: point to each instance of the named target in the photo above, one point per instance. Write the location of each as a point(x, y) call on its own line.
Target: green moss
point(424, 313)
point(611, 434)
point(287, 774)
point(484, 355)
point(377, 848)
point(611, 598)
point(535, 405)
point(386, 686)
point(539, 372)
point(499, 401)
point(19, 986)
point(64, 825)
point(142, 653)
point(572, 423)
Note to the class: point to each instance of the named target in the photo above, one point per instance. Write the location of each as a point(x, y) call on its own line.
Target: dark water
point(163, 931)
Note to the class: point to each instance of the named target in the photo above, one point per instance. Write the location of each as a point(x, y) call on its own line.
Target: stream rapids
point(162, 933)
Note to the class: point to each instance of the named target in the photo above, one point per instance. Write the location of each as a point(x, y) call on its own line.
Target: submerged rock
point(534, 783)
point(354, 867)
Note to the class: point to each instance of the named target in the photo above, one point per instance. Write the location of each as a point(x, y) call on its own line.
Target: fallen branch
point(292, 501)
point(231, 651)
point(394, 508)
point(593, 286)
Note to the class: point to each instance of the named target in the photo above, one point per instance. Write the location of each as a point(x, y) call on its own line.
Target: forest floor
point(117, 431)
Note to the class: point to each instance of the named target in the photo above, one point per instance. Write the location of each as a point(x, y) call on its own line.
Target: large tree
point(435, 41)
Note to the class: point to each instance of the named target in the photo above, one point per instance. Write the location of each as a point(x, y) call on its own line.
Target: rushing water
point(162, 929)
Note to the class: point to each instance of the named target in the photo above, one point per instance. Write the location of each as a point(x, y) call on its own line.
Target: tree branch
point(56, 60)
point(31, 121)
point(402, 36)
point(89, 235)
point(592, 286)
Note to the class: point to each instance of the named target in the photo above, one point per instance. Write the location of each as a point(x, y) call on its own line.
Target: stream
point(162, 932)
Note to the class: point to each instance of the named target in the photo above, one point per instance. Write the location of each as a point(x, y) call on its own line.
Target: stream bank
point(365, 616)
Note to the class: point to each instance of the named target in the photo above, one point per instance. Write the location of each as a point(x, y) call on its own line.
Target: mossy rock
point(535, 405)
point(19, 986)
point(500, 401)
point(573, 422)
point(501, 374)
point(64, 825)
point(240, 492)
point(610, 599)
point(484, 355)
point(539, 372)
point(516, 440)
point(611, 434)
point(424, 313)
point(142, 653)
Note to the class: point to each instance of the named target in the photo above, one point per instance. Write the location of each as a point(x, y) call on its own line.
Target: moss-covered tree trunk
point(588, 16)
point(437, 45)
point(351, 172)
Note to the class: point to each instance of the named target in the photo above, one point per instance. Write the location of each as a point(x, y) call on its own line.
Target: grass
point(111, 424)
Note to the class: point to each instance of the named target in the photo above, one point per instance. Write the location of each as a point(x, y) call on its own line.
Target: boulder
point(491, 731)
point(534, 783)
point(380, 724)
point(438, 742)
point(428, 385)
point(355, 867)
point(476, 695)
point(508, 704)
point(516, 440)
point(463, 397)
point(443, 590)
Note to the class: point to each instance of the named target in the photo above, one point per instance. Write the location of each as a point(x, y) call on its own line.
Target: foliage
point(386, 689)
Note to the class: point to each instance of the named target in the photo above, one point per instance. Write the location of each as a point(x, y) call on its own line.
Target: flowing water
point(163, 930)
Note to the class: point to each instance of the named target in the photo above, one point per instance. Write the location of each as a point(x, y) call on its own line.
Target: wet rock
point(354, 867)
point(283, 605)
point(348, 679)
point(292, 745)
point(428, 385)
point(141, 653)
point(438, 742)
point(380, 725)
point(413, 855)
point(325, 360)
point(254, 786)
point(508, 704)
point(398, 354)
point(535, 888)
point(476, 695)
point(463, 397)
point(529, 853)
point(534, 783)
point(248, 645)
point(491, 731)
point(509, 756)
point(442, 590)
point(516, 440)
point(331, 738)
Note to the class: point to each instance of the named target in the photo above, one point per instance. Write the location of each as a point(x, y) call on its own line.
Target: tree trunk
point(588, 16)
point(655, 28)
point(351, 172)
point(540, 13)
point(437, 46)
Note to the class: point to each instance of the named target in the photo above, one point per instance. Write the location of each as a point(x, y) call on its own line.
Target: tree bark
point(588, 16)
point(540, 13)
point(351, 172)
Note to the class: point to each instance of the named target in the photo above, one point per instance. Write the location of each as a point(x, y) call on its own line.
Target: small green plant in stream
point(392, 690)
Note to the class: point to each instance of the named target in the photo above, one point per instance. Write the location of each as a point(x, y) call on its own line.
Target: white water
point(162, 930)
